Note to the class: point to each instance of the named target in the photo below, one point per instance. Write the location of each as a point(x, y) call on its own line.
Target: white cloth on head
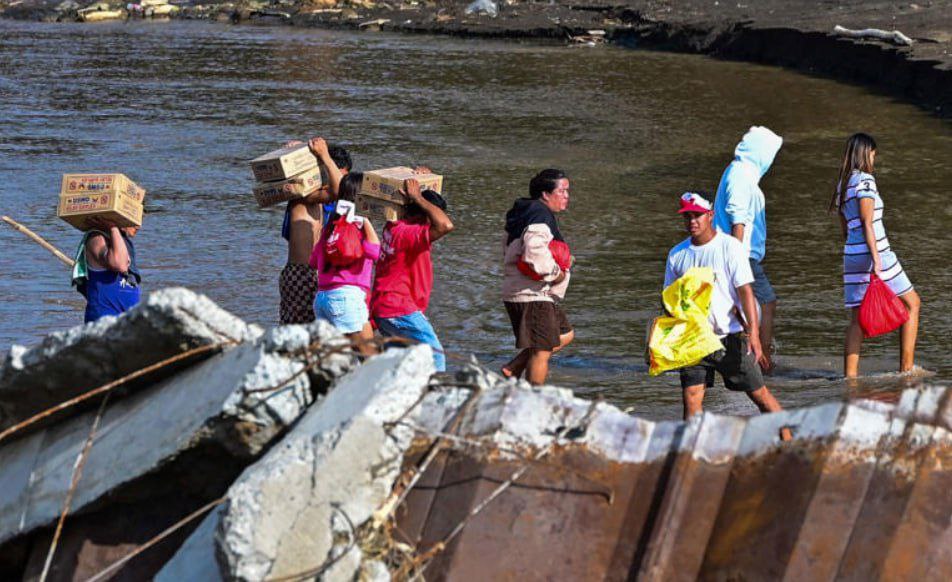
point(739, 197)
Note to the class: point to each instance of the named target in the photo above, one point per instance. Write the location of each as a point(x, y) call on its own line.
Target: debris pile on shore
point(227, 452)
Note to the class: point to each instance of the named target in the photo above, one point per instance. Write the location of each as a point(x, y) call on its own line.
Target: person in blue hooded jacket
point(740, 210)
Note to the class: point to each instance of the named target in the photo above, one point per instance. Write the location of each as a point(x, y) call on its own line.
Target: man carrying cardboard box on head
point(401, 292)
point(302, 228)
point(105, 272)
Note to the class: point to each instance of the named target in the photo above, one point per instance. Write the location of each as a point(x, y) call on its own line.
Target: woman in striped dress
point(867, 251)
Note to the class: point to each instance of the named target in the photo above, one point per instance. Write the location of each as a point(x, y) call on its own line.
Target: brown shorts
point(298, 286)
point(537, 324)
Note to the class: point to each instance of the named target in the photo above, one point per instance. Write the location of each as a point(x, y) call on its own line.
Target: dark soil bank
point(790, 33)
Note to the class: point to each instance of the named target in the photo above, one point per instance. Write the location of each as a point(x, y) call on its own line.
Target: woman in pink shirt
point(343, 292)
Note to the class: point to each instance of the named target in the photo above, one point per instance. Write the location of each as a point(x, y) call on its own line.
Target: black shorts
point(740, 370)
point(537, 324)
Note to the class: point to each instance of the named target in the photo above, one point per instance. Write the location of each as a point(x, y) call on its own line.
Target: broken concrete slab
point(195, 559)
point(551, 485)
point(190, 434)
point(328, 475)
point(66, 364)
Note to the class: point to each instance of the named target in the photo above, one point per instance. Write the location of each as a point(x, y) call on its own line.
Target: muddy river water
point(181, 107)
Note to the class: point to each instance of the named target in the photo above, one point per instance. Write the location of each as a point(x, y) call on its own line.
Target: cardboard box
point(386, 183)
point(378, 210)
point(101, 184)
point(119, 209)
point(283, 163)
point(300, 186)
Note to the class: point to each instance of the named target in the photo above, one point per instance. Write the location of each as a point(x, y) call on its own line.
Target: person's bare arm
point(440, 223)
point(114, 255)
point(866, 211)
point(749, 303)
point(737, 231)
point(370, 235)
point(843, 227)
point(318, 147)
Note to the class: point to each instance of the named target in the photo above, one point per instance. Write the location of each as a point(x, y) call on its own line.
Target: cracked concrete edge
point(210, 402)
point(67, 363)
point(338, 458)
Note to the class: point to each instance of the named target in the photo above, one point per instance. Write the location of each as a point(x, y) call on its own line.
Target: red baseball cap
point(692, 202)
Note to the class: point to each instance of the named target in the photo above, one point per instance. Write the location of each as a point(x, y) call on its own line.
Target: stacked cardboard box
point(112, 197)
point(380, 198)
point(286, 174)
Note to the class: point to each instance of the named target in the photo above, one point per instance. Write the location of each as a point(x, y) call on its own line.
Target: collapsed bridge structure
point(177, 442)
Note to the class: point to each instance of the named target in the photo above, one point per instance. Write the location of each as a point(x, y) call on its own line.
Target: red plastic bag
point(881, 311)
point(345, 245)
point(560, 252)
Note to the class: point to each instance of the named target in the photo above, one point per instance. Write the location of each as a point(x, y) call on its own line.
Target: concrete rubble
point(72, 362)
point(184, 438)
point(397, 472)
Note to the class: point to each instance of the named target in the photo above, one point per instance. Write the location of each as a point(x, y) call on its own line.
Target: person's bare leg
point(767, 313)
point(854, 341)
point(364, 340)
point(766, 402)
point(516, 366)
point(692, 398)
point(564, 340)
point(908, 332)
point(537, 369)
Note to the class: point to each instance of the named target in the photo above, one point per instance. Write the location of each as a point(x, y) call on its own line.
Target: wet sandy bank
point(793, 34)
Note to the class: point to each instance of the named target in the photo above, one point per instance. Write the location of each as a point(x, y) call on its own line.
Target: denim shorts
point(414, 326)
point(763, 290)
point(344, 307)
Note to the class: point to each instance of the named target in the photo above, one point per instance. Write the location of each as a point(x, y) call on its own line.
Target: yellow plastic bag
point(684, 336)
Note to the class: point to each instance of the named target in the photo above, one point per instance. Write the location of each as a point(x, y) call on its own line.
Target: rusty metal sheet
point(888, 493)
point(838, 496)
point(557, 522)
point(93, 541)
point(921, 548)
point(769, 492)
point(698, 478)
point(412, 515)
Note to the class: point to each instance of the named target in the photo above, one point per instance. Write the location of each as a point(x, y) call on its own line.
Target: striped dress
point(857, 260)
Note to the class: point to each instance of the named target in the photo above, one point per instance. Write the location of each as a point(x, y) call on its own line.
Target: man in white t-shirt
point(733, 295)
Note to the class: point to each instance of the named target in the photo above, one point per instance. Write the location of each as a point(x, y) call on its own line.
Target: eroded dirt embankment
point(791, 33)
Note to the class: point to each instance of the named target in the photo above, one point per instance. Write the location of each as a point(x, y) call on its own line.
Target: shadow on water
point(181, 106)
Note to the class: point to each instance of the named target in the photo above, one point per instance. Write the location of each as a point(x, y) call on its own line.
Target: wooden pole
point(39, 240)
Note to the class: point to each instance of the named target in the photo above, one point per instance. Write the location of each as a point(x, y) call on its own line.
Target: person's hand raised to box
point(318, 147)
point(411, 190)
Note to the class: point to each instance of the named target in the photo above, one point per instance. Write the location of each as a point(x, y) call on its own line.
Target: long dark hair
point(858, 156)
point(348, 190)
